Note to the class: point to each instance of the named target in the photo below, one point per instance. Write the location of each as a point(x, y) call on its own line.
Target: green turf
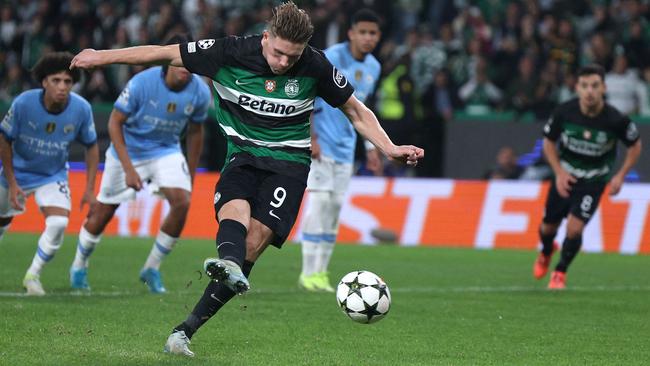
point(450, 307)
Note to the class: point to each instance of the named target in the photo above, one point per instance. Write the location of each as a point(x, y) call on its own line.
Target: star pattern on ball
point(370, 311)
point(355, 287)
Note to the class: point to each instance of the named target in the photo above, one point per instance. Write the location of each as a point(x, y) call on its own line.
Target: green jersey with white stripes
point(265, 117)
point(587, 145)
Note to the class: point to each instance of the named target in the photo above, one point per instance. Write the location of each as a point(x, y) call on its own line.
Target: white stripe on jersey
point(268, 107)
point(301, 144)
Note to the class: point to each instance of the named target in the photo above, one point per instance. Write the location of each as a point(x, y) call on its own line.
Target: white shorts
point(169, 171)
point(54, 194)
point(328, 175)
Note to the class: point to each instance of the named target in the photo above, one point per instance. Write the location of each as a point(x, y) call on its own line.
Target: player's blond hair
point(290, 23)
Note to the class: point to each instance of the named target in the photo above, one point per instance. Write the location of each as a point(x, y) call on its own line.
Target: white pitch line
point(439, 290)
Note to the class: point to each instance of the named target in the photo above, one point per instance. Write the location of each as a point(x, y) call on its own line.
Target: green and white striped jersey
point(265, 117)
point(587, 145)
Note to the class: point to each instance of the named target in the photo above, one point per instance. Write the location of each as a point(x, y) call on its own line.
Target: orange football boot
point(558, 281)
point(540, 267)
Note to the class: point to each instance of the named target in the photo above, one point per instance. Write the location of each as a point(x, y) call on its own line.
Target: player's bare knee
point(180, 204)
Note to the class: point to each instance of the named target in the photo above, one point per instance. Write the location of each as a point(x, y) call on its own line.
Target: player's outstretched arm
point(365, 121)
point(631, 157)
point(6, 155)
point(92, 161)
point(138, 55)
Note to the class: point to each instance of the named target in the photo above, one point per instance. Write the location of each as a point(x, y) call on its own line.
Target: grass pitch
point(450, 307)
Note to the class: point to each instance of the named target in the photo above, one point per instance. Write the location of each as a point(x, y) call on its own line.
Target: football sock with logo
point(231, 241)
point(570, 249)
point(547, 242)
point(215, 296)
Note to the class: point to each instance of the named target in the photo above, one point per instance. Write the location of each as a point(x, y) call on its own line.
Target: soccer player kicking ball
point(333, 145)
point(264, 87)
point(35, 136)
point(145, 127)
point(585, 131)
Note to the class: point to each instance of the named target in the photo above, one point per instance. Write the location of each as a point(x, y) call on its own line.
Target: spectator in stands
point(567, 89)
point(623, 87)
point(521, 92)
point(636, 46)
point(644, 93)
point(479, 94)
point(506, 165)
point(598, 51)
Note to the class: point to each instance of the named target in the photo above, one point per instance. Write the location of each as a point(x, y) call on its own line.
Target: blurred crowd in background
point(441, 59)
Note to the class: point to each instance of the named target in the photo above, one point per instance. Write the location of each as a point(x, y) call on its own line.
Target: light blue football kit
point(330, 175)
point(157, 115)
point(336, 135)
point(40, 139)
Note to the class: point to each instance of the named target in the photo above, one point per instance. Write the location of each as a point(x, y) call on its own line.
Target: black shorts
point(274, 198)
point(582, 202)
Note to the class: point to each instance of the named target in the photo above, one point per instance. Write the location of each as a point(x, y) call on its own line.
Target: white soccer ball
point(363, 296)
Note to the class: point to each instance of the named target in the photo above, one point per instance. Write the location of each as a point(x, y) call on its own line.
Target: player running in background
point(35, 137)
point(145, 128)
point(265, 86)
point(332, 150)
point(585, 132)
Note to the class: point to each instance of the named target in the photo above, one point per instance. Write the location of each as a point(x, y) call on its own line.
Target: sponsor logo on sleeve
point(189, 108)
point(631, 133)
point(191, 47)
point(124, 96)
point(339, 79)
point(6, 122)
point(204, 44)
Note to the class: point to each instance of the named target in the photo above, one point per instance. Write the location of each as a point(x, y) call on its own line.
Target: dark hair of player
point(290, 23)
point(177, 38)
point(593, 69)
point(365, 15)
point(53, 63)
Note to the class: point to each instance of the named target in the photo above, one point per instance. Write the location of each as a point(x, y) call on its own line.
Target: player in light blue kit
point(35, 136)
point(145, 128)
point(333, 144)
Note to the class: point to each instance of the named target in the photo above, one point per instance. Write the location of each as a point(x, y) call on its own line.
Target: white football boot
point(177, 344)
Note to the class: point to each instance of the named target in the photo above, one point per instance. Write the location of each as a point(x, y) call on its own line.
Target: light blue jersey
point(336, 135)
point(157, 114)
point(40, 139)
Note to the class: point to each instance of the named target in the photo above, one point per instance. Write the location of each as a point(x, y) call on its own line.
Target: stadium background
point(461, 78)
